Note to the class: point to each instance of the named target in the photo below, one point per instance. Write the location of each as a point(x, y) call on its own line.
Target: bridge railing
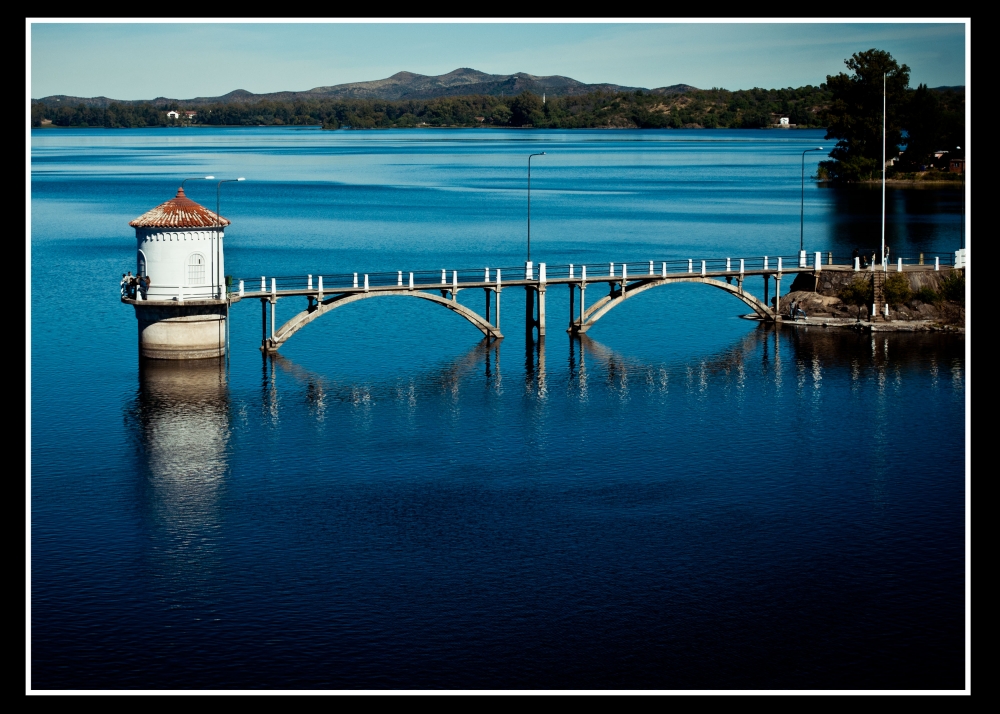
point(637, 269)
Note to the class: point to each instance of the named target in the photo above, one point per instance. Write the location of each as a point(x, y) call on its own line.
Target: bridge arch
point(297, 322)
point(603, 306)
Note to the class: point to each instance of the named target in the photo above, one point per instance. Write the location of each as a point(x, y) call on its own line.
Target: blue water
point(683, 499)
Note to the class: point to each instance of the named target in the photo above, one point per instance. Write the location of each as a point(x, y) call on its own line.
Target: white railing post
point(664, 270)
point(319, 286)
point(366, 282)
point(741, 266)
point(444, 277)
point(263, 286)
point(241, 288)
point(899, 265)
point(729, 266)
point(571, 271)
point(498, 279)
point(411, 281)
point(819, 261)
point(611, 270)
point(802, 259)
point(487, 275)
point(624, 273)
point(779, 263)
point(309, 282)
point(355, 280)
point(650, 267)
point(454, 285)
point(541, 272)
point(765, 263)
point(703, 268)
point(857, 264)
point(399, 278)
point(529, 270)
point(274, 287)
point(690, 265)
point(583, 272)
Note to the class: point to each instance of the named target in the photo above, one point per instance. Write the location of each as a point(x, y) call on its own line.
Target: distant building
point(957, 166)
point(480, 119)
point(939, 154)
point(783, 121)
point(190, 115)
point(173, 115)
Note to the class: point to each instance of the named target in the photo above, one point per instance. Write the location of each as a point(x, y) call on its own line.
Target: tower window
point(140, 265)
point(196, 269)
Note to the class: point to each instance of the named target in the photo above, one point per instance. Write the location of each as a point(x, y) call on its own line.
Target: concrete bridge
point(622, 281)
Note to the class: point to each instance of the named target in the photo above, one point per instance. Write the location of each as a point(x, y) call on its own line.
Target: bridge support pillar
point(572, 299)
point(777, 296)
point(263, 322)
point(767, 285)
point(529, 311)
point(541, 311)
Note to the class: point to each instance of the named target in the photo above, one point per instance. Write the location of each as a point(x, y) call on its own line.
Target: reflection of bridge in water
point(623, 281)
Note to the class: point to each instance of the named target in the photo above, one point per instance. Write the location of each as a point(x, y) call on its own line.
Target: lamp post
point(961, 243)
point(218, 229)
point(802, 209)
point(529, 201)
point(196, 178)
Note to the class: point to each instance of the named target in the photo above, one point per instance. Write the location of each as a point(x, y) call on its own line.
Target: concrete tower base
point(193, 329)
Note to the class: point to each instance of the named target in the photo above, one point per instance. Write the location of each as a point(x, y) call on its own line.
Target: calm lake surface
point(682, 499)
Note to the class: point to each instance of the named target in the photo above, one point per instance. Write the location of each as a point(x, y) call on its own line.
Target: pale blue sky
point(146, 60)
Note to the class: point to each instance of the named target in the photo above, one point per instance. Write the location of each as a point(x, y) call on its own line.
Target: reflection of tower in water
point(182, 421)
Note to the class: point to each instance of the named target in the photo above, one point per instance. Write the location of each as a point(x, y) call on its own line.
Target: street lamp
point(802, 209)
point(196, 178)
point(529, 202)
point(218, 223)
point(961, 243)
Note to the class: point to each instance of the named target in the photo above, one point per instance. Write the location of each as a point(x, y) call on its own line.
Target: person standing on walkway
point(123, 284)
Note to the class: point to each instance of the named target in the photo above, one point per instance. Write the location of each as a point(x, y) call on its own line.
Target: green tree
point(897, 289)
point(855, 115)
point(526, 108)
point(858, 293)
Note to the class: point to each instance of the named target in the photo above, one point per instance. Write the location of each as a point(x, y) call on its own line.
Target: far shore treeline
point(922, 122)
point(714, 108)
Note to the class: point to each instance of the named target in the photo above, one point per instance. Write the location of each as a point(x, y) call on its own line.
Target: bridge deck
point(556, 280)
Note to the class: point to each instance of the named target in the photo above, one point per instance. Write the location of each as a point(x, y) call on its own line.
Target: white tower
point(179, 247)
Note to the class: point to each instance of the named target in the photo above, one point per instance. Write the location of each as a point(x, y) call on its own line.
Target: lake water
point(683, 499)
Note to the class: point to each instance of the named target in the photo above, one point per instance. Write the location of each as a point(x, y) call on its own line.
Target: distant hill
point(958, 88)
point(401, 86)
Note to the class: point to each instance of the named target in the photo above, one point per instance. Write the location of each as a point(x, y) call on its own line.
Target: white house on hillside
point(173, 115)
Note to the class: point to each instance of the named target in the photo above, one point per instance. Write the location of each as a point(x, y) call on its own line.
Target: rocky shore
point(819, 296)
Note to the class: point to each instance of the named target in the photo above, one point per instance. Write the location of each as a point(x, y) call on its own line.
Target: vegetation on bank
point(921, 122)
point(711, 108)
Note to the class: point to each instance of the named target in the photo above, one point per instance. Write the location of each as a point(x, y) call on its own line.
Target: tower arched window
point(140, 264)
point(196, 269)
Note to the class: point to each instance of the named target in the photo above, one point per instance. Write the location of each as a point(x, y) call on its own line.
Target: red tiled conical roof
point(179, 212)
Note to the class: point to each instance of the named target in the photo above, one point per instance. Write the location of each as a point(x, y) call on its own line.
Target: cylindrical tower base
point(194, 329)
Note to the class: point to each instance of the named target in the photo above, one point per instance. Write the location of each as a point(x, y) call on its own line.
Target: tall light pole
point(218, 229)
point(961, 243)
point(802, 209)
point(529, 201)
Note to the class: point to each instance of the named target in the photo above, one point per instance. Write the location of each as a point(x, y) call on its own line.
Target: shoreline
point(866, 326)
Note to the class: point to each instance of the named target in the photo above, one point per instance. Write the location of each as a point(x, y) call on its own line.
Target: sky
point(144, 60)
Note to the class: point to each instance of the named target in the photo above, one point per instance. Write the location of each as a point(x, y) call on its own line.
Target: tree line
point(714, 108)
point(918, 122)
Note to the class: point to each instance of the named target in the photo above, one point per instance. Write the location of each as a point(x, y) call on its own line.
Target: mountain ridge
point(403, 85)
